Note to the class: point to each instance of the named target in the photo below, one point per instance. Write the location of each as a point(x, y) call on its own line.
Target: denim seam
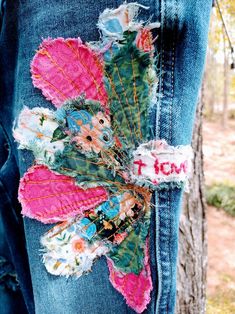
point(170, 108)
point(158, 135)
point(169, 194)
point(169, 241)
point(159, 274)
point(161, 93)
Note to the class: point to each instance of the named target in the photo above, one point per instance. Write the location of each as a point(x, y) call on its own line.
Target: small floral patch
point(67, 252)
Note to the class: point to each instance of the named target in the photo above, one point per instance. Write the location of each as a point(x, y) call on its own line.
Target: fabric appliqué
point(157, 162)
point(96, 165)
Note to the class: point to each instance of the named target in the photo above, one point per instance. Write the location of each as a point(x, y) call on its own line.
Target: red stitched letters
point(140, 164)
point(165, 167)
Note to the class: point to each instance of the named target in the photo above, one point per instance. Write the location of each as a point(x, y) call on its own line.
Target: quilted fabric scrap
point(51, 197)
point(96, 163)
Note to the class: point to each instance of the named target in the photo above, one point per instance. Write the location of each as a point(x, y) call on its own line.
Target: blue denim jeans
point(181, 44)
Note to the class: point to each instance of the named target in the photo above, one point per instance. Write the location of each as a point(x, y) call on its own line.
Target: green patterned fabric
point(126, 80)
point(88, 172)
point(129, 255)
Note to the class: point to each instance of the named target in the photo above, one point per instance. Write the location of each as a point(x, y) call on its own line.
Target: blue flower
point(110, 208)
point(60, 114)
point(76, 119)
point(106, 137)
point(88, 229)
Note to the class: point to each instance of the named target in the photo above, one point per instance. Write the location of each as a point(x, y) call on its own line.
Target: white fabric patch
point(66, 253)
point(156, 162)
point(113, 23)
point(34, 131)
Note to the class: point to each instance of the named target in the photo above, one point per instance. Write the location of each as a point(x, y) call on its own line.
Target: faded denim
point(181, 46)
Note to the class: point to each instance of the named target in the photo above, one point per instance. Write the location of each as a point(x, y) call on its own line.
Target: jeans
point(181, 45)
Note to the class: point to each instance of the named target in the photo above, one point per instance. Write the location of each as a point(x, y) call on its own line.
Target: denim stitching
point(161, 92)
point(169, 194)
point(162, 89)
point(169, 242)
point(159, 275)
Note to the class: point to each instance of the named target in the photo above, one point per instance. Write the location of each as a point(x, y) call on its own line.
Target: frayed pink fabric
point(50, 197)
point(135, 288)
point(65, 68)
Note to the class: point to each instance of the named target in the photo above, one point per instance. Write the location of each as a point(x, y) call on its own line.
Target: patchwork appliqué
point(95, 162)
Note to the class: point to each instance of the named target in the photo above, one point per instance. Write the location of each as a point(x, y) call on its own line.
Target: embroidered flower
point(106, 137)
point(101, 121)
point(107, 225)
point(71, 257)
point(88, 139)
point(76, 119)
point(144, 40)
point(88, 228)
point(35, 126)
point(115, 78)
point(113, 23)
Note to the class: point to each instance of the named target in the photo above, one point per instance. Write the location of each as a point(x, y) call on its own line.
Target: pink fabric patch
point(135, 288)
point(65, 68)
point(50, 197)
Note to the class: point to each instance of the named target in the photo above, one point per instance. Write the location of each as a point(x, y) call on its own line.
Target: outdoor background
point(218, 129)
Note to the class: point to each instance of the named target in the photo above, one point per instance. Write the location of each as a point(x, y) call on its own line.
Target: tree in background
point(191, 286)
point(216, 90)
point(219, 79)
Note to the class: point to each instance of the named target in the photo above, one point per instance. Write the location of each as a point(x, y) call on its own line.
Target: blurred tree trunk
point(225, 96)
point(191, 285)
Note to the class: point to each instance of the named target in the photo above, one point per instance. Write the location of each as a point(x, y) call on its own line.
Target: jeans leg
point(182, 48)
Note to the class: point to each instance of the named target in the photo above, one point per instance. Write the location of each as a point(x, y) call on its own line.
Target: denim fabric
point(12, 241)
point(181, 45)
point(182, 49)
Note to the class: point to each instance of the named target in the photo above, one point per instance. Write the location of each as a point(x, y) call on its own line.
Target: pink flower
point(144, 40)
point(88, 139)
point(101, 121)
point(120, 237)
point(78, 245)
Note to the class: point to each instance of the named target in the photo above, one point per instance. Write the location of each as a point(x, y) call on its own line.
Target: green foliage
point(129, 255)
point(81, 103)
point(126, 80)
point(89, 172)
point(58, 134)
point(222, 302)
point(222, 196)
